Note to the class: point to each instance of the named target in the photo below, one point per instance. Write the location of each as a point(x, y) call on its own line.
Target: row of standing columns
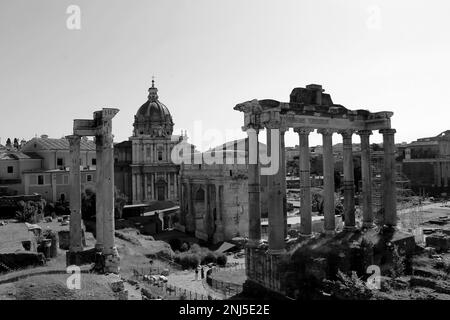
point(277, 185)
point(104, 200)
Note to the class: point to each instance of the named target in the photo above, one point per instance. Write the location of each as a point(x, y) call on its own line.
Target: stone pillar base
point(329, 232)
point(201, 235)
point(112, 262)
point(276, 251)
point(252, 243)
point(304, 236)
point(80, 258)
point(73, 258)
point(368, 225)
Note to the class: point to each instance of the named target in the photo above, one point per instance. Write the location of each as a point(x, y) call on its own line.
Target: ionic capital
point(388, 131)
point(273, 124)
point(364, 132)
point(303, 131)
point(74, 140)
point(347, 133)
point(326, 131)
point(252, 126)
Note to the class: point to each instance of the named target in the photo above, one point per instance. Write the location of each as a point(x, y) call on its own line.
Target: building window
point(89, 178)
point(160, 155)
point(94, 161)
point(60, 162)
point(40, 180)
point(10, 169)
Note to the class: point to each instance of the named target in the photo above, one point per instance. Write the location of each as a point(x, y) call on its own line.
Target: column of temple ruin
point(254, 196)
point(75, 197)
point(389, 190)
point(107, 196)
point(328, 180)
point(305, 182)
point(275, 205)
point(349, 181)
point(99, 183)
point(366, 176)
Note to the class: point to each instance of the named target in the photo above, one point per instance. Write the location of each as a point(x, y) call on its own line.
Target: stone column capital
point(346, 133)
point(273, 124)
point(388, 131)
point(364, 132)
point(73, 139)
point(326, 131)
point(303, 131)
point(253, 126)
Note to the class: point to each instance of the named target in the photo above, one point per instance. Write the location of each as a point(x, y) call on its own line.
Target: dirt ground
point(54, 287)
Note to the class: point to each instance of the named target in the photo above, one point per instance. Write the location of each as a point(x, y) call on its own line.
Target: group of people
point(200, 269)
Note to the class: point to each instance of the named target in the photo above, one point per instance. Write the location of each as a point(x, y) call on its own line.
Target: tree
point(88, 203)
point(120, 200)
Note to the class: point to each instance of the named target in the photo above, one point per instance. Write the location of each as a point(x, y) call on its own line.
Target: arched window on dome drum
point(160, 155)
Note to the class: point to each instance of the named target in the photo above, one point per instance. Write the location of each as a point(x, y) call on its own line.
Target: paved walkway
point(186, 280)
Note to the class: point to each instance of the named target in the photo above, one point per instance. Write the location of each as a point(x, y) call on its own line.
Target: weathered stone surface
point(19, 260)
point(64, 239)
point(81, 257)
point(440, 242)
point(117, 286)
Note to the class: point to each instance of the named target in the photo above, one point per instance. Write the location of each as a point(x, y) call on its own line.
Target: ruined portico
point(101, 128)
point(311, 109)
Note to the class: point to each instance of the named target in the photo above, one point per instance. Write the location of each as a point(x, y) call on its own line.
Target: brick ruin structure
point(107, 258)
point(311, 109)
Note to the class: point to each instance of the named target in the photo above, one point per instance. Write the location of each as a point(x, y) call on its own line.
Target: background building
point(144, 170)
point(41, 166)
point(214, 197)
point(426, 163)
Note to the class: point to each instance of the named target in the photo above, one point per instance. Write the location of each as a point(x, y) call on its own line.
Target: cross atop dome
point(153, 92)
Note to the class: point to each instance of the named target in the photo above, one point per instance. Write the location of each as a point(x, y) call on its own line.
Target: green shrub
point(30, 211)
point(210, 257)
point(175, 244)
point(348, 287)
point(221, 259)
point(184, 247)
point(187, 260)
point(398, 264)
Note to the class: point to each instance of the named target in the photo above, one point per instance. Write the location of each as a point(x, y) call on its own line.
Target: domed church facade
point(153, 175)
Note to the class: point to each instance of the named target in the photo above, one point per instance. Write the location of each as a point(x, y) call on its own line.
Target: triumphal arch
point(311, 109)
point(99, 127)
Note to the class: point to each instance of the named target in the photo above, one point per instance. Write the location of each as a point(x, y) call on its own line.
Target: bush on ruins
point(199, 255)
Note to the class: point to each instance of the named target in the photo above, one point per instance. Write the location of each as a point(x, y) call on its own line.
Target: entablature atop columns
point(95, 127)
point(303, 112)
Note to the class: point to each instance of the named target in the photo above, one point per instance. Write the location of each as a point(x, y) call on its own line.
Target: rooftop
point(56, 144)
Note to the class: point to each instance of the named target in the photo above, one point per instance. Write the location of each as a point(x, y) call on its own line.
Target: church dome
point(153, 117)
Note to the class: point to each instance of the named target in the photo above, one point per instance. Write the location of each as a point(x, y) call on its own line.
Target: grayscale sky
point(209, 55)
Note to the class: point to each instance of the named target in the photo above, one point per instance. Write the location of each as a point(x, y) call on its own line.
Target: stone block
point(80, 258)
point(117, 286)
point(430, 251)
point(123, 295)
point(20, 260)
point(64, 239)
point(440, 242)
